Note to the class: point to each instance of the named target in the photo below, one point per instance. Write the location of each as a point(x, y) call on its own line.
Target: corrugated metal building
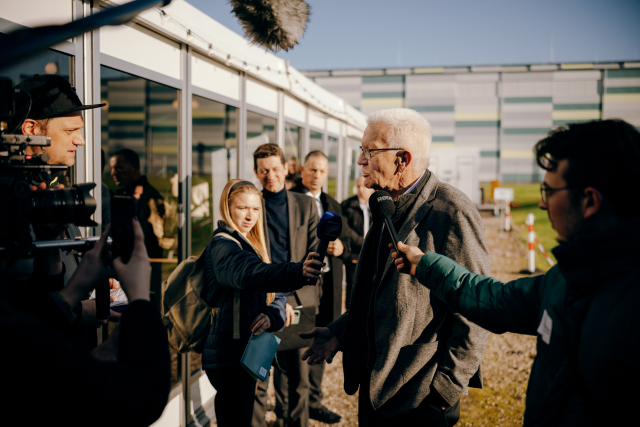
point(502, 110)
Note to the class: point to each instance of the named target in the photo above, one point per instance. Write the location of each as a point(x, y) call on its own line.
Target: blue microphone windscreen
point(329, 226)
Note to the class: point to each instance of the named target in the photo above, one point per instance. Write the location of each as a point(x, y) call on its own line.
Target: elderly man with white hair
point(410, 356)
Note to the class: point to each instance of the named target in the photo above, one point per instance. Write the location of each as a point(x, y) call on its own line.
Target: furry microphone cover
point(272, 24)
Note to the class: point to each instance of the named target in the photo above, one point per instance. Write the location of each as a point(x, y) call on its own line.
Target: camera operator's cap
point(51, 96)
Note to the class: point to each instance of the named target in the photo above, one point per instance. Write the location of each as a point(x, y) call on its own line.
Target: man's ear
point(404, 160)
point(30, 127)
point(592, 202)
point(286, 168)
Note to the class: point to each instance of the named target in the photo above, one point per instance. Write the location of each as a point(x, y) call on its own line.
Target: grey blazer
point(303, 220)
point(415, 349)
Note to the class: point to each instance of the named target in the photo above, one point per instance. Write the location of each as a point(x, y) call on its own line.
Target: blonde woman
point(242, 263)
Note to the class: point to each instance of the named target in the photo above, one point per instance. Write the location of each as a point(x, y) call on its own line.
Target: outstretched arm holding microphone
point(493, 305)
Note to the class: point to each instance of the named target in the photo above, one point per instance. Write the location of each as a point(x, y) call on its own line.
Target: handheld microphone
point(103, 300)
point(381, 205)
point(329, 229)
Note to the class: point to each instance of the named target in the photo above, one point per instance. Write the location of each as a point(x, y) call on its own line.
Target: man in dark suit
point(314, 173)
point(410, 355)
point(290, 224)
point(356, 213)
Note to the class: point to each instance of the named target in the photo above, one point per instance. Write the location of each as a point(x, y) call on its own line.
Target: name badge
point(545, 327)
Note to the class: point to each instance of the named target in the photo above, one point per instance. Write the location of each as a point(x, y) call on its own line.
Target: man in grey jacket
point(411, 357)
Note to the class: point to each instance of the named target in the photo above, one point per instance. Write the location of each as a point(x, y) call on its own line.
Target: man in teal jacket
point(584, 310)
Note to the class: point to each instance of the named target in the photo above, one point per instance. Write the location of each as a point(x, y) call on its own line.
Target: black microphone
point(382, 206)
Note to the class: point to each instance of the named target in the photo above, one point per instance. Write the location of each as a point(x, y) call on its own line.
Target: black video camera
point(19, 205)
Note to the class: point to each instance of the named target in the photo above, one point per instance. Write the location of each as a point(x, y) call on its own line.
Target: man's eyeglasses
point(367, 151)
point(546, 191)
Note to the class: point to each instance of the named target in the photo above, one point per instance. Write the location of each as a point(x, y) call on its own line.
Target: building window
point(260, 130)
point(292, 141)
point(139, 137)
point(332, 154)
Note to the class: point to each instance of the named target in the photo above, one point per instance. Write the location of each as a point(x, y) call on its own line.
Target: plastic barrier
point(532, 241)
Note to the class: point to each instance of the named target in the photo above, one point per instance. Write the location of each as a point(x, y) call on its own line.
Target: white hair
point(404, 128)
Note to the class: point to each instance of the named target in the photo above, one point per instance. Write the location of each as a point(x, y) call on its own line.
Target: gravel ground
point(506, 364)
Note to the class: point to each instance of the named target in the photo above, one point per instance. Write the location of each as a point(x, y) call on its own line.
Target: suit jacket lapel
point(294, 220)
point(419, 210)
point(324, 201)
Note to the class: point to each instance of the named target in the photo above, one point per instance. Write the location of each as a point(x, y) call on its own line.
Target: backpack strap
point(236, 295)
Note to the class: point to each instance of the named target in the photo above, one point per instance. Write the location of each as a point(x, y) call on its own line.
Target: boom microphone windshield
point(382, 206)
point(329, 229)
point(273, 24)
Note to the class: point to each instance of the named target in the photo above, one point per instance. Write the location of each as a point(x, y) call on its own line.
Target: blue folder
point(259, 354)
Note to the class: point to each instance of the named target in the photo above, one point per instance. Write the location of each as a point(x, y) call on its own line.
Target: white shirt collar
point(415, 184)
point(315, 196)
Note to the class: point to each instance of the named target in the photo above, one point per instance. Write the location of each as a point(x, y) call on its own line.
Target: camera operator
point(48, 105)
point(73, 386)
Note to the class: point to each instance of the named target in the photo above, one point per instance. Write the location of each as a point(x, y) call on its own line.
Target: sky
point(345, 34)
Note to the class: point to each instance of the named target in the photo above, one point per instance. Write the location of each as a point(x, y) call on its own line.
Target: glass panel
point(332, 154)
point(215, 127)
point(315, 141)
point(140, 142)
point(354, 169)
point(214, 143)
point(292, 141)
point(48, 62)
point(260, 130)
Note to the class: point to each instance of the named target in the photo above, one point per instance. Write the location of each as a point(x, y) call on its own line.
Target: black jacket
point(70, 387)
point(353, 215)
point(583, 312)
point(229, 267)
point(150, 211)
point(331, 298)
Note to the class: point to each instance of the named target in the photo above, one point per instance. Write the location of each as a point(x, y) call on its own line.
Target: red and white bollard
point(532, 238)
point(507, 216)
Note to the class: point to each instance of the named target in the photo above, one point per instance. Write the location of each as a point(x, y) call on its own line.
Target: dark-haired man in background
point(583, 310)
point(290, 232)
point(314, 173)
point(125, 170)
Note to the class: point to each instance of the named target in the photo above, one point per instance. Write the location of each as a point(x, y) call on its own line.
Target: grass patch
point(527, 196)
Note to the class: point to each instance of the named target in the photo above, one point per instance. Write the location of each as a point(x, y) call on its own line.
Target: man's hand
point(324, 346)
point(410, 259)
point(88, 316)
point(290, 315)
point(135, 276)
point(90, 271)
point(312, 268)
point(260, 324)
point(108, 350)
point(335, 248)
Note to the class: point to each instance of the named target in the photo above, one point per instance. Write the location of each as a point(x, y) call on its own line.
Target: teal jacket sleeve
point(493, 305)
